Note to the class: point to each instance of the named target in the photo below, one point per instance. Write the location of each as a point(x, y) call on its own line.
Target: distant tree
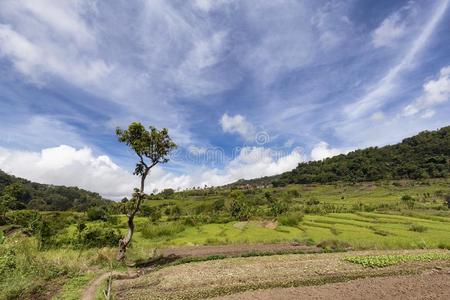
point(96, 213)
point(152, 147)
point(166, 193)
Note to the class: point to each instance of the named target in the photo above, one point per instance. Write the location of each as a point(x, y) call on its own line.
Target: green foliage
point(96, 213)
point(30, 220)
point(167, 193)
point(153, 144)
point(18, 193)
point(417, 228)
point(291, 219)
point(381, 261)
point(278, 207)
point(238, 207)
point(152, 212)
point(423, 156)
point(99, 236)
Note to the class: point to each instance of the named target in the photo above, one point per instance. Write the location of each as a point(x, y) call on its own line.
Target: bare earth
point(423, 286)
point(288, 277)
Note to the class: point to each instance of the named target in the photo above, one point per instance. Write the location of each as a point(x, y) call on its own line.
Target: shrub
point(99, 236)
point(218, 205)
point(96, 213)
point(151, 231)
point(278, 207)
point(291, 219)
point(333, 245)
point(154, 213)
point(417, 228)
point(30, 220)
point(408, 200)
point(447, 200)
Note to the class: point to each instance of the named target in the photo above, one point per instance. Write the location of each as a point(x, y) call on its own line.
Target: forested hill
point(422, 156)
point(18, 193)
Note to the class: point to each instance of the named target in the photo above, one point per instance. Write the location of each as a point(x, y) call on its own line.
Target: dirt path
point(424, 286)
point(233, 275)
point(91, 290)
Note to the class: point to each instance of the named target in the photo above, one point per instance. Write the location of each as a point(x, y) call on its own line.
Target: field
point(384, 217)
point(229, 276)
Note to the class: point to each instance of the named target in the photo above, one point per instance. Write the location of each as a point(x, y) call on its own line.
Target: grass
point(28, 273)
point(73, 288)
point(369, 216)
point(381, 261)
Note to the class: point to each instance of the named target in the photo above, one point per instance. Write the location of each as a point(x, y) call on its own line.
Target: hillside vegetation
point(426, 155)
point(17, 193)
point(56, 253)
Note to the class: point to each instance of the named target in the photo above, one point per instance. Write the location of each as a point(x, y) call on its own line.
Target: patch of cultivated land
point(428, 285)
point(234, 275)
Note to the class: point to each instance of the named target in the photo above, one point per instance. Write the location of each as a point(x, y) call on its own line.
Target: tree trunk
point(125, 242)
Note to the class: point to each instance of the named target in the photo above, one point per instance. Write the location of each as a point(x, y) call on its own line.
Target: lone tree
point(152, 147)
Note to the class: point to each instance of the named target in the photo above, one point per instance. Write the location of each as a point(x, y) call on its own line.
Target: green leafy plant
point(381, 261)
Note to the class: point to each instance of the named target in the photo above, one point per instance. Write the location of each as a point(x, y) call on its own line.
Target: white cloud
point(197, 150)
point(238, 124)
point(37, 132)
point(428, 114)
point(389, 32)
point(322, 150)
point(377, 116)
point(381, 92)
point(434, 93)
point(44, 38)
point(66, 165)
point(208, 5)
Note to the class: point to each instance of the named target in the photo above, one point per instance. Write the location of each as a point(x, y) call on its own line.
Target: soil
point(424, 286)
point(239, 249)
point(92, 288)
point(275, 273)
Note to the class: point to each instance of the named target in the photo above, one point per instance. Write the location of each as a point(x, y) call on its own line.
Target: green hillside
point(426, 155)
point(19, 193)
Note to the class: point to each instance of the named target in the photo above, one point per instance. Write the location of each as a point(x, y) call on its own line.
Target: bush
point(154, 213)
point(30, 220)
point(408, 200)
point(151, 231)
point(96, 213)
point(99, 236)
point(291, 219)
point(278, 207)
point(417, 228)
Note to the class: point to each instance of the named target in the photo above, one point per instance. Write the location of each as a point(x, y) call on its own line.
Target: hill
point(19, 193)
point(425, 155)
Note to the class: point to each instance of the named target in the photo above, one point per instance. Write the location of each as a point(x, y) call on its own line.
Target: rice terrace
point(224, 149)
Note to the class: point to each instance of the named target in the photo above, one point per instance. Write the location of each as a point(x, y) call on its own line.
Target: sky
point(246, 88)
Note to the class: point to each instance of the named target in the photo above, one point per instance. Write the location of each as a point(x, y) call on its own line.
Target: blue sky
point(246, 88)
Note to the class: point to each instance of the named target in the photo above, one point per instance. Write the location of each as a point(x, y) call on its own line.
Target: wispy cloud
point(302, 71)
point(379, 94)
point(434, 92)
point(238, 124)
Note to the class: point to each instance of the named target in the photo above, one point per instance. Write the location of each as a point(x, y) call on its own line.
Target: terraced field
point(256, 276)
point(357, 230)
